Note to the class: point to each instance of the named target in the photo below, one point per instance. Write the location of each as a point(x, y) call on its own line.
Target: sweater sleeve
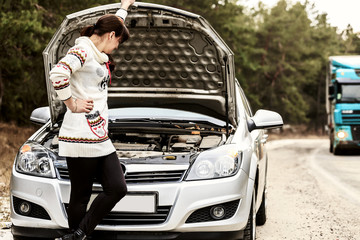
point(122, 13)
point(61, 73)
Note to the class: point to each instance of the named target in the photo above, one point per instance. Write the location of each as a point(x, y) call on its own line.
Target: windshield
point(349, 93)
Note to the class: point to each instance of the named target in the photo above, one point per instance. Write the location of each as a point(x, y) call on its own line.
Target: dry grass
point(12, 137)
point(296, 132)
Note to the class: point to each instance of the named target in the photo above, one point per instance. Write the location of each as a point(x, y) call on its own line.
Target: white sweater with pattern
point(83, 74)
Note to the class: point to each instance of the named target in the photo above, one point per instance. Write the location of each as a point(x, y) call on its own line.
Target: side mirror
point(265, 119)
point(331, 92)
point(40, 115)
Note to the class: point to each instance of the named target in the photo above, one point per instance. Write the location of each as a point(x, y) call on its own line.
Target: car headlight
point(221, 162)
point(34, 159)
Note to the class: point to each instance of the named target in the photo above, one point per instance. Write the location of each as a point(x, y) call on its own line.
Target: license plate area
point(133, 202)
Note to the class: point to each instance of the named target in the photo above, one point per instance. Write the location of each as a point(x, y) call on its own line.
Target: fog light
point(25, 208)
point(217, 212)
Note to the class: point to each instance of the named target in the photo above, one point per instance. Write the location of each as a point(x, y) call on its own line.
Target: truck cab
point(343, 103)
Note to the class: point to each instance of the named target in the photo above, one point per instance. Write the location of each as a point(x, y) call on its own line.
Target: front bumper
point(110, 235)
point(184, 198)
point(347, 145)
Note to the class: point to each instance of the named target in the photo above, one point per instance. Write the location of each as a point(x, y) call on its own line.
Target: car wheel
point(261, 214)
point(250, 230)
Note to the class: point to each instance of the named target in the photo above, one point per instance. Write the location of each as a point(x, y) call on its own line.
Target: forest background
point(281, 52)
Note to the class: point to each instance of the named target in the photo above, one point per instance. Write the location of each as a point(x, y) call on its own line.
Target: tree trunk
point(318, 118)
point(1, 89)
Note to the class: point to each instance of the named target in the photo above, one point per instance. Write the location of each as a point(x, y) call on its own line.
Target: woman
point(80, 80)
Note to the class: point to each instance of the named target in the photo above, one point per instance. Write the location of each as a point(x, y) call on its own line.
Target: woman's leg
point(82, 172)
point(113, 182)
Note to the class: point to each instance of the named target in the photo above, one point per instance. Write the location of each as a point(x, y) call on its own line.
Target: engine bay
point(139, 145)
point(154, 146)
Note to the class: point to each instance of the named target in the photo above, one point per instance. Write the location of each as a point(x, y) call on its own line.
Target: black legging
point(82, 171)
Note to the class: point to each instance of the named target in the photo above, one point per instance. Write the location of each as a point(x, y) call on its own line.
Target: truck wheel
point(331, 147)
point(337, 151)
point(250, 229)
point(261, 214)
point(331, 137)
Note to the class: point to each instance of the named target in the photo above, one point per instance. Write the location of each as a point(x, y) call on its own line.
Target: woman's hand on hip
point(79, 105)
point(84, 105)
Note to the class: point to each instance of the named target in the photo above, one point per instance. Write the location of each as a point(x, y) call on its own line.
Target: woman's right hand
point(79, 105)
point(125, 4)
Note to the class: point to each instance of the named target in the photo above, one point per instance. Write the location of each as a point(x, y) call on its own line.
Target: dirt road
point(311, 193)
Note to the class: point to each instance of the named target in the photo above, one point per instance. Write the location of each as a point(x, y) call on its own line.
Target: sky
point(340, 12)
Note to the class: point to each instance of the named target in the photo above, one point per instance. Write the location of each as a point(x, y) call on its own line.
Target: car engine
point(138, 145)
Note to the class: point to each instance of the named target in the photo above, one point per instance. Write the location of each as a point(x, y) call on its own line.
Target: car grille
point(119, 218)
point(355, 132)
point(122, 218)
point(140, 177)
point(353, 118)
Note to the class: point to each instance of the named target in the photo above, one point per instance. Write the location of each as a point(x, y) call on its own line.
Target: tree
point(351, 42)
point(23, 38)
point(326, 42)
point(25, 29)
point(280, 54)
point(283, 35)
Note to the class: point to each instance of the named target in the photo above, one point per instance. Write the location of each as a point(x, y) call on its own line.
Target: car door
point(259, 139)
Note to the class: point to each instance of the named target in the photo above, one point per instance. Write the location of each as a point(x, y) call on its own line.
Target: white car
point(191, 149)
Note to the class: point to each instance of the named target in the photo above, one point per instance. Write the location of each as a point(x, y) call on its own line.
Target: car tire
point(22, 238)
point(261, 214)
point(250, 229)
point(30, 238)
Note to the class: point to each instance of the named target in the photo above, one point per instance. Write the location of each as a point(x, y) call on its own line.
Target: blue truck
point(343, 103)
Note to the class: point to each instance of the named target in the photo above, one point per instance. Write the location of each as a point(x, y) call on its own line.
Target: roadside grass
point(12, 137)
point(296, 132)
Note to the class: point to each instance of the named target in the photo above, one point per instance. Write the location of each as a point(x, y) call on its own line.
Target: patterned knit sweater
point(83, 74)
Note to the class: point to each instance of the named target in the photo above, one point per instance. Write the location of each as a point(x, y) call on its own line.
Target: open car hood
point(173, 59)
